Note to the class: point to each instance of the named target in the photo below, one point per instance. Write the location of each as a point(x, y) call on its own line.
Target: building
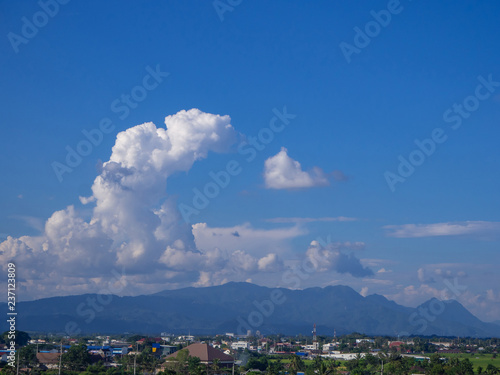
point(360, 341)
point(168, 349)
point(120, 350)
point(329, 347)
point(395, 344)
point(313, 347)
point(240, 345)
point(343, 356)
point(4, 354)
point(49, 360)
point(207, 354)
point(445, 344)
point(186, 338)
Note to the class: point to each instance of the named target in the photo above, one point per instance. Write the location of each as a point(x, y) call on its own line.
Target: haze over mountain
point(238, 307)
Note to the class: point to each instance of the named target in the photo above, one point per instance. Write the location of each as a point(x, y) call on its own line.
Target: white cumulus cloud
point(282, 172)
point(332, 258)
point(134, 226)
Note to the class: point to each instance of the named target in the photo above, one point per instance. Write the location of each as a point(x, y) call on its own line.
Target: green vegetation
point(22, 338)
point(478, 360)
point(376, 356)
point(77, 358)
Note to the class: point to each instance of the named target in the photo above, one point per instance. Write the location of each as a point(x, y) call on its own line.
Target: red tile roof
point(396, 343)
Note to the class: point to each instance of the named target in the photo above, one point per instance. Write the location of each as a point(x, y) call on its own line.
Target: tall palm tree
point(296, 364)
point(215, 365)
point(317, 362)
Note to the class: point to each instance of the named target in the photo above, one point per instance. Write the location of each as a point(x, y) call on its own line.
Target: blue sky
point(351, 117)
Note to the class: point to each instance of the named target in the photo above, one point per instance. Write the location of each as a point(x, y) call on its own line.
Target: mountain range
point(239, 307)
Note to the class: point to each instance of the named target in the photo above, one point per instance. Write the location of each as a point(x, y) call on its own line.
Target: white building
point(186, 338)
point(343, 356)
point(240, 345)
point(329, 347)
point(443, 344)
point(359, 341)
point(314, 346)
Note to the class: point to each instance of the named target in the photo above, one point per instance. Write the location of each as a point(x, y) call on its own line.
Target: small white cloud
point(422, 278)
point(383, 270)
point(443, 229)
point(86, 200)
point(282, 172)
point(364, 291)
point(268, 263)
point(331, 258)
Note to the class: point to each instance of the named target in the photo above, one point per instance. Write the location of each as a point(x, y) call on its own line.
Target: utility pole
point(315, 339)
point(135, 356)
point(60, 359)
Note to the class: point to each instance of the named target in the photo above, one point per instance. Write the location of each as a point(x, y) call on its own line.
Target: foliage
point(259, 363)
point(147, 361)
point(134, 338)
point(275, 367)
point(27, 356)
point(185, 364)
point(77, 358)
point(296, 364)
point(22, 338)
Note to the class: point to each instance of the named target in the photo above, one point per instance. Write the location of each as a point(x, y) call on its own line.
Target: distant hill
point(237, 307)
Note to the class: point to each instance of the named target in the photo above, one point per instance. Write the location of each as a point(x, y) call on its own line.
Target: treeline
point(390, 364)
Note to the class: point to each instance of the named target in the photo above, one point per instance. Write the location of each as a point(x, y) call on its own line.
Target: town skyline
point(150, 147)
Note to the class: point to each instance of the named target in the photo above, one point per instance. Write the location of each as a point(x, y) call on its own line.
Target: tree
point(275, 367)
point(77, 358)
point(327, 368)
point(259, 363)
point(317, 363)
point(8, 370)
point(465, 367)
point(95, 369)
point(133, 339)
point(185, 364)
point(168, 371)
point(215, 365)
point(296, 364)
point(22, 338)
point(194, 366)
point(147, 360)
point(27, 356)
point(491, 369)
